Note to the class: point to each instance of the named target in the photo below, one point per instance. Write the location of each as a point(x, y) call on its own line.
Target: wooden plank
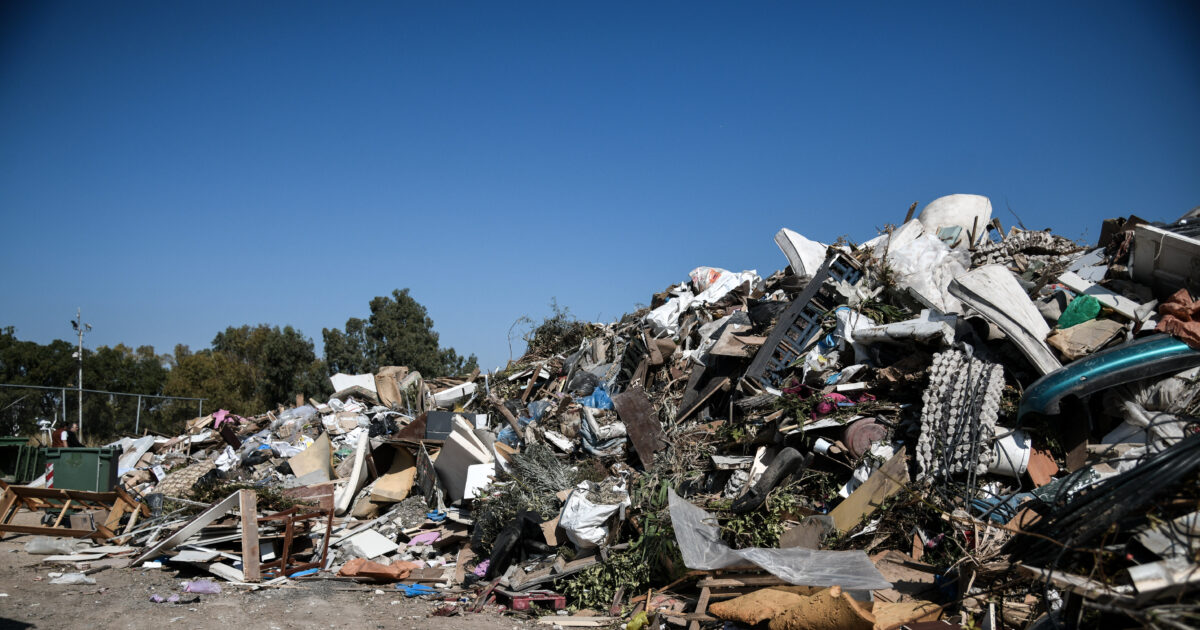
point(701, 607)
point(7, 504)
point(511, 419)
point(61, 532)
point(1078, 584)
point(248, 503)
point(644, 428)
point(572, 621)
point(61, 513)
point(465, 555)
point(732, 582)
point(717, 383)
point(214, 512)
point(133, 519)
point(106, 498)
point(882, 483)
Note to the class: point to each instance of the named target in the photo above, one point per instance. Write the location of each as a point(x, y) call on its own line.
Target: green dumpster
point(21, 461)
point(10, 448)
point(31, 464)
point(91, 469)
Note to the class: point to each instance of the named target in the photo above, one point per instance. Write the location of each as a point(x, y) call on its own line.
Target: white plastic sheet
point(716, 284)
point(586, 523)
point(702, 549)
point(925, 265)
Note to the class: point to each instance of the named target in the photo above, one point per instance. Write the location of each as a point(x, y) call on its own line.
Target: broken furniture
point(48, 500)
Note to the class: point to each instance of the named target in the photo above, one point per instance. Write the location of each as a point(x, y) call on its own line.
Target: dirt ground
point(121, 599)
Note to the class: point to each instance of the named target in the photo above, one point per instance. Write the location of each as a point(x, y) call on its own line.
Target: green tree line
point(247, 370)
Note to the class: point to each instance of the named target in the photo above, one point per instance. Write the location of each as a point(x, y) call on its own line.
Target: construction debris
point(945, 423)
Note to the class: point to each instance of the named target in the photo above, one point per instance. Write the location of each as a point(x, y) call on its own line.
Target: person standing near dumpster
point(68, 437)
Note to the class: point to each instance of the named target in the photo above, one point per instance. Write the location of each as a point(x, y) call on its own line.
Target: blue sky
point(176, 168)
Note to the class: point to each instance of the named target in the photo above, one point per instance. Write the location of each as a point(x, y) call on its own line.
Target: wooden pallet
point(725, 585)
point(117, 504)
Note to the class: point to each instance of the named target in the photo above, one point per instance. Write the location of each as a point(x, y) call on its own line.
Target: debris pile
point(948, 422)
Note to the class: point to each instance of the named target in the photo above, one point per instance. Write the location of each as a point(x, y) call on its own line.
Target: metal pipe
point(137, 423)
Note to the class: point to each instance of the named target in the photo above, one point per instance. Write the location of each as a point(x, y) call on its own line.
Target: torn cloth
point(1181, 318)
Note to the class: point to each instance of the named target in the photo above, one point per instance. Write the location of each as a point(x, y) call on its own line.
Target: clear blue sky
point(175, 168)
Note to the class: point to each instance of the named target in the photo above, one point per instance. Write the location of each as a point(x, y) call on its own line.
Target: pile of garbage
point(949, 422)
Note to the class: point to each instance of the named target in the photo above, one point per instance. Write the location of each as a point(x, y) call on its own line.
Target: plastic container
point(1012, 454)
point(91, 469)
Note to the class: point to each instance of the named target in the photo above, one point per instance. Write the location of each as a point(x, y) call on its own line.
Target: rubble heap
point(945, 422)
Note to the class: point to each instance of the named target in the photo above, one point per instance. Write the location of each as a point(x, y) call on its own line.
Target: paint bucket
point(1012, 454)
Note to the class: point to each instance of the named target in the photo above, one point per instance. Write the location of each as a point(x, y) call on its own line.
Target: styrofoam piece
point(478, 478)
point(970, 212)
point(368, 544)
point(804, 255)
point(345, 381)
point(1012, 454)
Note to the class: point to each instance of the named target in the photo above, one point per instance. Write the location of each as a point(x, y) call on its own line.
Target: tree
point(224, 381)
point(282, 361)
point(30, 363)
point(399, 331)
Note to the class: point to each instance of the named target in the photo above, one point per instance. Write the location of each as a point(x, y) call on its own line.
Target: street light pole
point(80, 327)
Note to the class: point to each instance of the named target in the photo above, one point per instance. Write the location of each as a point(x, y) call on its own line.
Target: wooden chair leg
point(701, 607)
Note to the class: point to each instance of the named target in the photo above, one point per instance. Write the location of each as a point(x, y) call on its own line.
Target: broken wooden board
point(577, 621)
point(717, 383)
point(214, 512)
point(116, 504)
point(248, 501)
point(314, 458)
point(1078, 584)
point(734, 344)
point(645, 431)
point(883, 483)
point(397, 482)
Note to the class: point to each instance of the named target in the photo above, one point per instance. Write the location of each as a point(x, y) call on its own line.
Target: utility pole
point(80, 328)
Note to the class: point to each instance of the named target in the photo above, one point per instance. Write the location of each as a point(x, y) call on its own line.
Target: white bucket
point(1012, 454)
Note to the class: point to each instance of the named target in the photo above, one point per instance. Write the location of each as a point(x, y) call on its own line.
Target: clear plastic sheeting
point(702, 548)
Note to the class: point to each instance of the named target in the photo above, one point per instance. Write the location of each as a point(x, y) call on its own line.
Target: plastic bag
point(926, 265)
point(586, 523)
point(598, 399)
point(207, 587)
point(1083, 308)
point(73, 578)
point(701, 546)
point(47, 546)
